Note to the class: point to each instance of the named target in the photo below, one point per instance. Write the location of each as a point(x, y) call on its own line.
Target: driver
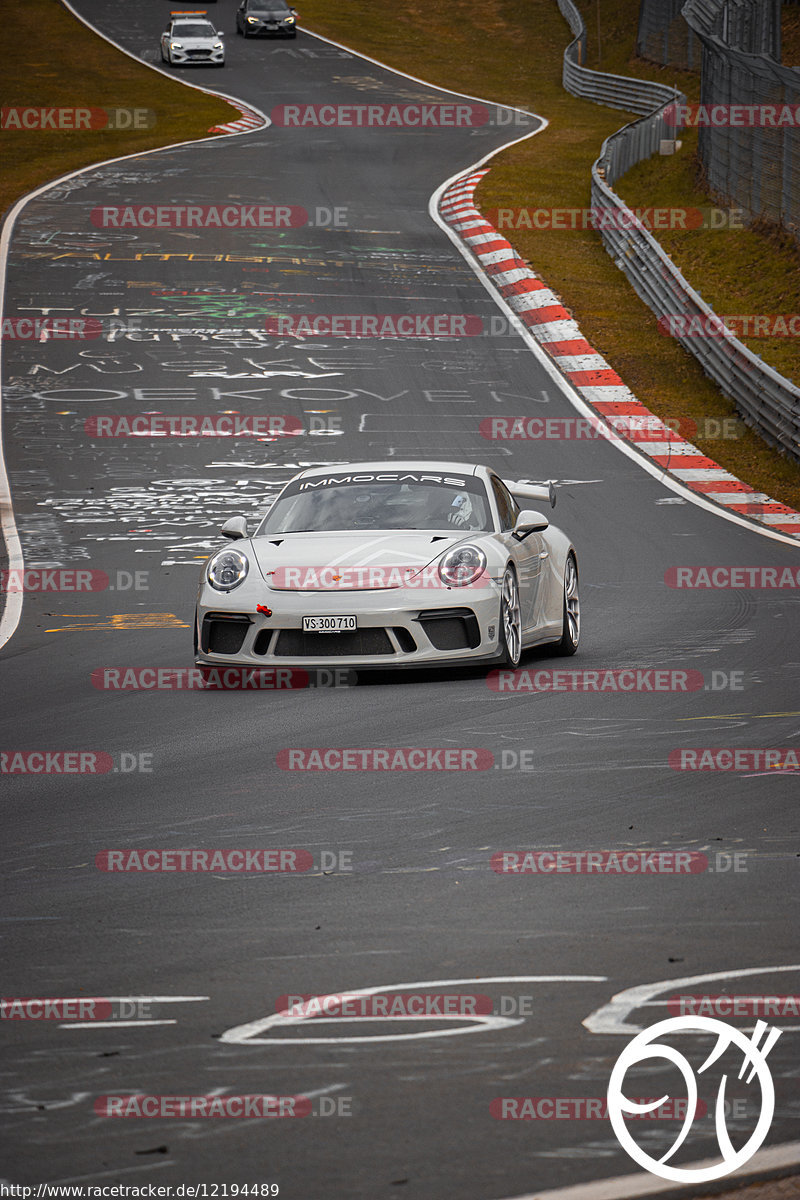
point(461, 511)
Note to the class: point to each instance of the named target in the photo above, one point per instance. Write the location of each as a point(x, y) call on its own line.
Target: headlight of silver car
point(227, 569)
point(462, 565)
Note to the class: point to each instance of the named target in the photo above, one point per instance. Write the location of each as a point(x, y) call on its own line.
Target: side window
point(506, 506)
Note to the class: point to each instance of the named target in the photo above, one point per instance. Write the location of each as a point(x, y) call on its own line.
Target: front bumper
point(270, 28)
point(396, 628)
point(197, 57)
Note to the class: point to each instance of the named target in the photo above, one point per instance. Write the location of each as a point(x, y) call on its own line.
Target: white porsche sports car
point(382, 564)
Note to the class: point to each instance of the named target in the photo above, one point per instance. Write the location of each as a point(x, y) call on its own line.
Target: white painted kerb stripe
point(585, 362)
point(626, 1187)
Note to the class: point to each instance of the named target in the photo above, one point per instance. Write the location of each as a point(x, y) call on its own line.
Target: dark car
point(267, 18)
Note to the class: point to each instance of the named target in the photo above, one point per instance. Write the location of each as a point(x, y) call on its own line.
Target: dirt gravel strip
point(543, 314)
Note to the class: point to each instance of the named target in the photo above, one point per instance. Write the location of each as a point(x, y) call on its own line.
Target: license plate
point(328, 624)
point(271, 26)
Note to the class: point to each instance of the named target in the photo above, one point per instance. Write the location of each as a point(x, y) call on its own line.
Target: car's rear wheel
point(571, 631)
point(510, 619)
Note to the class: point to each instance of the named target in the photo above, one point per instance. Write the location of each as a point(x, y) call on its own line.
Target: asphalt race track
point(402, 892)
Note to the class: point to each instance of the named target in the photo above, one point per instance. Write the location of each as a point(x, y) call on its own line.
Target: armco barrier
point(755, 167)
point(767, 401)
point(665, 38)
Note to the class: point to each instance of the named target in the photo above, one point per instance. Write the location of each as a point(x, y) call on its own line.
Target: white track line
point(627, 1187)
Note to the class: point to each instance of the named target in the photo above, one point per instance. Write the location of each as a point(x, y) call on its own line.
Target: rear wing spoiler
point(526, 489)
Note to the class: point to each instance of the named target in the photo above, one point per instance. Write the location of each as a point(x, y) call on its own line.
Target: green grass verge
point(511, 51)
point(50, 60)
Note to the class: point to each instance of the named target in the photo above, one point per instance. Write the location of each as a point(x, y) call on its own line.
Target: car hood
point(363, 562)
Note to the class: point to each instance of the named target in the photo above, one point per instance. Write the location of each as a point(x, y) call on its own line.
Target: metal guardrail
point(664, 37)
point(756, 167)
point(766, 401)
point(615, 91)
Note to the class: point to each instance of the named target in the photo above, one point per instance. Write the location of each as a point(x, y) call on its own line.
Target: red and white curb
point(248, 120)
point(544, 316)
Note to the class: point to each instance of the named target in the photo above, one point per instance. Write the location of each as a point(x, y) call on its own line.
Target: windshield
point(385, 500)
point(198, 29)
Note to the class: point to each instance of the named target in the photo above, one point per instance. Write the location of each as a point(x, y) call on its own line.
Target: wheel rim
point(572, 604)
point(512, 623)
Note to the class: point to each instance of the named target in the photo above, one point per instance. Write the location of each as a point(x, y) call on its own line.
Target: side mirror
point(234, 528)
point(220, 33)
point(294, 12)
point(529, 521)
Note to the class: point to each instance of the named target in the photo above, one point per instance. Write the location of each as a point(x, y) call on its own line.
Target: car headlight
point(218, 46)
point(252, 20)
point(288, 20)
point(462, 565)
point(175, 46)
point(227, 569)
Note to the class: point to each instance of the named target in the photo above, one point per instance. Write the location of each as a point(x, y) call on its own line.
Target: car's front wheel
point(571, 631)
point(510, 620)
